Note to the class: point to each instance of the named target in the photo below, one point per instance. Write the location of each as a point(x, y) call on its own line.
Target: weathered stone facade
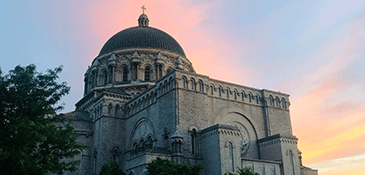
point(146, 102)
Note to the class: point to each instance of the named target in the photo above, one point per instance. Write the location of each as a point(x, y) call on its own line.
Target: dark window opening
point(147, 74)
point(125, 74)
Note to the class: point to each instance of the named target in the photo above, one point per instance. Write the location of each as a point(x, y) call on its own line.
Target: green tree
point(34, 139)
point(111, 169)
point(166, 167)
point(244, 171)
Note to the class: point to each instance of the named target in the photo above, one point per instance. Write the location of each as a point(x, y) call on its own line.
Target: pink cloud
point(347, 165)
point(328, 121)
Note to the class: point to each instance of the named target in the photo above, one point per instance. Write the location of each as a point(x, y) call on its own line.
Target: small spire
point(135, 55)
point(143, 20)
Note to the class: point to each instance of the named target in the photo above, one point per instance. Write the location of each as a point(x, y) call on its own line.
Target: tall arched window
point(159, 71)
point(149, 143)
point(230, 147)
point(193, 85)
point(291, 159)
point(147, 74)
point(110, 108)
point(193, 142)
point(283, 102)
point(243, 94)
point(201, 86)
point(104, 77)
point(185, 81)
point(271, 99)
point(91, 81)
point(125, 74)
point(134, 72)
point(116, 110)
point(277, 100)
point(110, 72)
point(86, 81)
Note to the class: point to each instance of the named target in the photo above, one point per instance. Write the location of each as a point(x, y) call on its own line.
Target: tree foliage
point(244, 171)
point(166, 167)
point(34, 139)
point(111, 169)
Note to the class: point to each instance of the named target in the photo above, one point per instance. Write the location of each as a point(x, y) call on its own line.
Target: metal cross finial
point(143, 9)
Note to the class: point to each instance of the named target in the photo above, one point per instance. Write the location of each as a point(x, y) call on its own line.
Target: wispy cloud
point(325, 115)
point(346, 165)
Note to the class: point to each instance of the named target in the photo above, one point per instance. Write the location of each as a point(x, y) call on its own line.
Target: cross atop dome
point(143, 20)
point(143, 9)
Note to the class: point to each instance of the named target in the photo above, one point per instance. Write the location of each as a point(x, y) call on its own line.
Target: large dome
point(142, 36)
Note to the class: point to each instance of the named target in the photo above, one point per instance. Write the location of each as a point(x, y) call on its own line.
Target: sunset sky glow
point(312, 50)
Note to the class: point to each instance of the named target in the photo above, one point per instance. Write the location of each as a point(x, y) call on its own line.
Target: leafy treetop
point(166, 167)
point(244, 171)
point(111, 169)
point(34, 139)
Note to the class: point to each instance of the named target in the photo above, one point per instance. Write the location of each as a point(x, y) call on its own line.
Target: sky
point(312, 50)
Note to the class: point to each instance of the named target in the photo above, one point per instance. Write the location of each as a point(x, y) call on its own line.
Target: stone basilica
point(143, 100)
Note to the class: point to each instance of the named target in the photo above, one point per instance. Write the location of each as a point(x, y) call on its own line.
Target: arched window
point(277, 102)
point(110, 70)
point(167, 86)
point(134, 72)
point(231, 153)
point(193, 141)
point(283, 103)
point(220, 89)
point(91, 81)
point(142, 145)
point(291, 159)
point(271, 99)
point(101, 110)
point(185, 81)
point(86, 85)
point(159, 71)
point(201, 86)
point(165, 137)
point(147, 74)
point(125, 74)
point(110, 108)
point(243, 94)
point(193, 85)
point(104, 79)
point(117, 110)
point(149, 143)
